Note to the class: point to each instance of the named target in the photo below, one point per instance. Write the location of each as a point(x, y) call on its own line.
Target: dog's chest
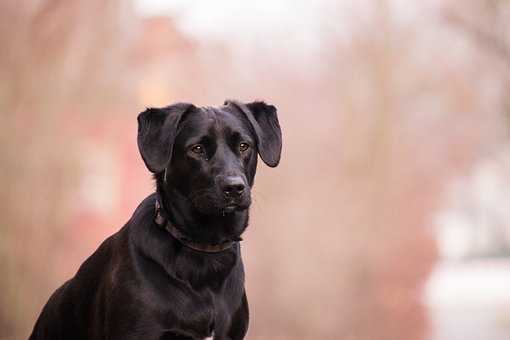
point(196, 301)
point(210, 271)
point(218, 281)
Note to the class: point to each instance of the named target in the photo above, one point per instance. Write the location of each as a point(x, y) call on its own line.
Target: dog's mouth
point(229, 209)
point(211, 204)
point(233, 207)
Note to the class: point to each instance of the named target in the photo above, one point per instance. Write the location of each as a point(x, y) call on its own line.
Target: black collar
point(163, 222)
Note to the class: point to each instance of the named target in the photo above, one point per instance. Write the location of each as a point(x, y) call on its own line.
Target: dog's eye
point(198, 149)
point(243, 147)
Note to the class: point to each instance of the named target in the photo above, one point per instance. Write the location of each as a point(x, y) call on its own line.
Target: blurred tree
point(486, 23)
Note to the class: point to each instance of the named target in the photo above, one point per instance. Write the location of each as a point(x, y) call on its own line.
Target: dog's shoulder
point(116, 251)
point(145, 211)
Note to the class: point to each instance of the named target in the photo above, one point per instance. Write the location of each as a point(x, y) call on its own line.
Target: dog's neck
point(197, 227)
point(163, 222)
point(199, 268)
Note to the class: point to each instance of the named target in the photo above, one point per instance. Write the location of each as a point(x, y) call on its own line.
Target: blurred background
point(387, 218)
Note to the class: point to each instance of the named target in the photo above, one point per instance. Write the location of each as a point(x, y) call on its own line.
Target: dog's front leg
point(239, 322)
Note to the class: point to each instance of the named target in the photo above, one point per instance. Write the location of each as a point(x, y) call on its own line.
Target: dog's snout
point(233, 187)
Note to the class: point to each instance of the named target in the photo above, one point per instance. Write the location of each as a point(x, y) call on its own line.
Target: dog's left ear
point(264, 120)
point(157, 129)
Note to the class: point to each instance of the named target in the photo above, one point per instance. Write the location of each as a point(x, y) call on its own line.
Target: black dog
point(174, 271)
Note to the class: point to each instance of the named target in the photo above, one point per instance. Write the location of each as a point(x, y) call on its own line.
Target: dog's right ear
point(157, 129)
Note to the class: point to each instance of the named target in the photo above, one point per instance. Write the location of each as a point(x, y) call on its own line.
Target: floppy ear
point(157, 129)
point(264, 121)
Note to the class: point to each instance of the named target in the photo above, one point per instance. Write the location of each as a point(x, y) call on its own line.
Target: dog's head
point(209, 155)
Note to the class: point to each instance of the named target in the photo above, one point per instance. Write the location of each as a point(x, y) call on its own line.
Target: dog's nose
point(233, 187)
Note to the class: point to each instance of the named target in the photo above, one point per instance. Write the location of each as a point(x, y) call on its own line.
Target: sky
point(302, 25)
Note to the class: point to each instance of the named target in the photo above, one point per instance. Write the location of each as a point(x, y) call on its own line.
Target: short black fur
point(142, 283)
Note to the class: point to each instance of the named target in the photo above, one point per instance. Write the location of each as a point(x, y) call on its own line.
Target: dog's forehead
point(217, 120)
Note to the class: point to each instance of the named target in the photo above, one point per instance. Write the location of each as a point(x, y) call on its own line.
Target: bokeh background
point(387, 218)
